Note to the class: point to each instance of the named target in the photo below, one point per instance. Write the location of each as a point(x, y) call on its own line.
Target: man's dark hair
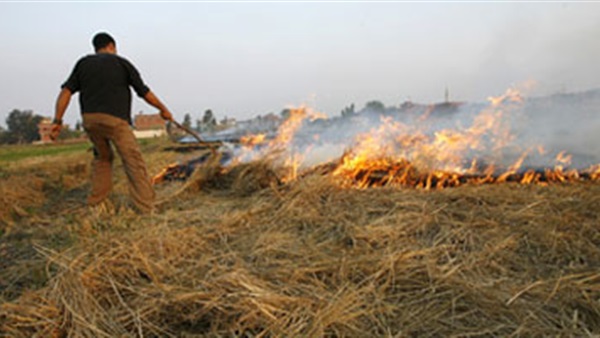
point(102, 40)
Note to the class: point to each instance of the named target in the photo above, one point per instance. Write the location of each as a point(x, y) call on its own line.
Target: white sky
point(243, 59)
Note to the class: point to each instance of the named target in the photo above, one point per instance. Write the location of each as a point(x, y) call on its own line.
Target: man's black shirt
point(103, 81)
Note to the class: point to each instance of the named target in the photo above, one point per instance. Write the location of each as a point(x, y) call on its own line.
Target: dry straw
point(236, 253)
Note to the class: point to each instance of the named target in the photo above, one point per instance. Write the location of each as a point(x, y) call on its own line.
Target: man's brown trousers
point(102, 130)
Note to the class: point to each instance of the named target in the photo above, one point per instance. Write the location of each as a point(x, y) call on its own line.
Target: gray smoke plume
point(533, 129)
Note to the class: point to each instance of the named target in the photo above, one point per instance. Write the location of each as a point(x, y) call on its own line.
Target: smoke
point(507, 132)
point(566, 122)
point(449, 136)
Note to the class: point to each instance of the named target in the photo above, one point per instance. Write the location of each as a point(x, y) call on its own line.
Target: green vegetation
point(22, 127)
point(11, 153)
point(19, 152)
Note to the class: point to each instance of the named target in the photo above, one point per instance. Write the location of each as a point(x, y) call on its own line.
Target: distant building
point(147, 126)
point(44, 129)
point(228, 122)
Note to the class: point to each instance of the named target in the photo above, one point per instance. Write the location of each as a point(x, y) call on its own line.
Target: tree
point(285, 114)
point(375, 106)
point(187, 121)
point(348, 111)
point(209, 118)
point(3, 136)
point(23, 126)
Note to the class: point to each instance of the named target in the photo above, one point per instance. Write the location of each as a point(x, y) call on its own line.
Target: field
point(239, 253)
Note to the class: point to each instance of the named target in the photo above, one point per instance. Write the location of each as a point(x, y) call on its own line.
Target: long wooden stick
point(212, 145)
point(188, 130)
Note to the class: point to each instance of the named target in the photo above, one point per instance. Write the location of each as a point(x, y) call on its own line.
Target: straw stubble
point(238, 253)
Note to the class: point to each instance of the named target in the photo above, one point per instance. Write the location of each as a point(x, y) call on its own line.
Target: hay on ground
point(313, 259)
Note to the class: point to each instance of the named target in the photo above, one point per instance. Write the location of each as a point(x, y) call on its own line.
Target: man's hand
point(62, 102)
point(155, 102)
point(55, 131)
point(166, 115)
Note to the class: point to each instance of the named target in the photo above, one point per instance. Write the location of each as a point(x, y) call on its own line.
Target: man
point(103, 80)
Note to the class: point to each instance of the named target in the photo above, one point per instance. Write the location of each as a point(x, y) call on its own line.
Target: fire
point(563, 159)
point(286, 132)
point(595, 172)
point(511, 95)
point(280, 147)
point(253, 140)
point(416, 154)
point(444, 158)
point(444, 151)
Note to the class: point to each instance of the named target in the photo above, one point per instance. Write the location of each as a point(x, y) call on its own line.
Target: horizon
point(246, 59)
point(358, 109)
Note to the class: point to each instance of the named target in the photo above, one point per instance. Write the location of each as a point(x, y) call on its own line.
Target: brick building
point(44, 129)
point(151, 125)
point(66, 135)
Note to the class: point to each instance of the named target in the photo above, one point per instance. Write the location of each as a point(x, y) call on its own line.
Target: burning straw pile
point(406, 151)
point(313, 259)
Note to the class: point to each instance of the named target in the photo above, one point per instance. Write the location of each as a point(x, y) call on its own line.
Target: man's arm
point(155, 102)
point(135, 80)
point(62, 102)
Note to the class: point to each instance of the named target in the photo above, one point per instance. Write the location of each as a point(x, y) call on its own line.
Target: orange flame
point(253, 140)
point(280, 147)
point(425, 161)
point(397, 154)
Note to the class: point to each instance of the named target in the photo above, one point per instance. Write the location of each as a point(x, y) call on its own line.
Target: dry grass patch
point(309, 258)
